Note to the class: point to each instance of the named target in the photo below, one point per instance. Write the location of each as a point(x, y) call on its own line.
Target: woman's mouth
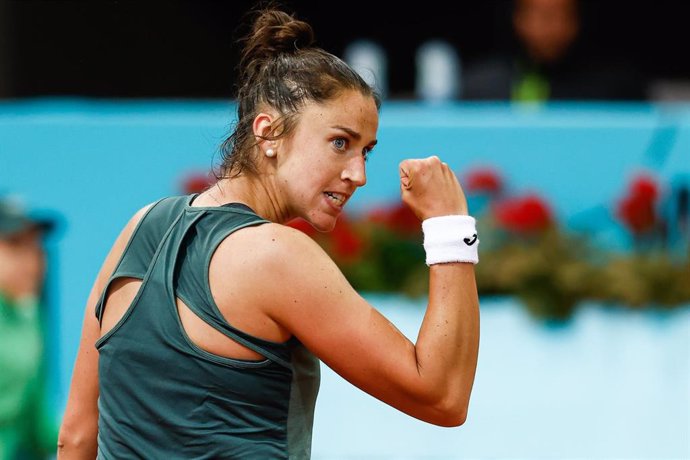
point(337, 199)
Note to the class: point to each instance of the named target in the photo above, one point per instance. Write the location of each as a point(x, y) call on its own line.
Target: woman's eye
point(339, 143)
point(366, 153)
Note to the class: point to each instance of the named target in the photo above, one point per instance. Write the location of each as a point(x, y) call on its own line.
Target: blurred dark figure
point(547, 65)
point(27, 428)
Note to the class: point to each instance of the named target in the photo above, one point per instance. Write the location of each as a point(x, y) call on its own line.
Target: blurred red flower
point(197, 182)
point(637, 208)
point(346, 243)
point(637, 213)
point(644, 187)
point(398, 218)
point(527, 214)
point(343, 242)
point(303, 226)
point(482, 180)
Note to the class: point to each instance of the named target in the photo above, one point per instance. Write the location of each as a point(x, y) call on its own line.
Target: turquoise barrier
point(96, 162)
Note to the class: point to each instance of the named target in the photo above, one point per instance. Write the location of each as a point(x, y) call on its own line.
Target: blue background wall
point(95, 163)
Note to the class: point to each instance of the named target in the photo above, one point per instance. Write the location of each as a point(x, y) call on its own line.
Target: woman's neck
point(256, 191)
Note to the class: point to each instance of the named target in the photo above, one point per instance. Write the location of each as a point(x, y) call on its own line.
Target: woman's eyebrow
point(350, 131)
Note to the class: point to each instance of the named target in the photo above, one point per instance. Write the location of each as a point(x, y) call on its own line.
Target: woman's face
point(322, 163)
point(22, 264)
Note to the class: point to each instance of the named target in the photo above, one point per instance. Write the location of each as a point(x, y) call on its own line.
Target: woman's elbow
point(443, 408)
point(456, 419)
point(451, 414)
point(67, 442)
point(75, 443)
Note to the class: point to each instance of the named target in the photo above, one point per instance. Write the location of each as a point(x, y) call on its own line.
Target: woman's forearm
point(448, 341)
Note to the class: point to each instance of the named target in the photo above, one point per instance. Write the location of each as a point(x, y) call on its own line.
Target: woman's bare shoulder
point(270, 246)
point(270, 267)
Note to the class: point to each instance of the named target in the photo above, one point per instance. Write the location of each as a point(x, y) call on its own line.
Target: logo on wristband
point(470, 241)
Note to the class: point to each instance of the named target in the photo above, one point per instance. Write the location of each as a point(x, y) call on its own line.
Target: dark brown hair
point(280, 67)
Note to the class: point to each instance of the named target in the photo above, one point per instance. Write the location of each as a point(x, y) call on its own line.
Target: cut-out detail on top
point(118, 299)
point(207, 338)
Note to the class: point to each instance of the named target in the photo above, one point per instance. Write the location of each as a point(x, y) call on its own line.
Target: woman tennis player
point(205, 326)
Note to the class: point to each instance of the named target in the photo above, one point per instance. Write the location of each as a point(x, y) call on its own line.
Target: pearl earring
point(270, 153)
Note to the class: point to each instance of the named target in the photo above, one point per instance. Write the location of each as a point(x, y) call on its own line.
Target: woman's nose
point(355, 172)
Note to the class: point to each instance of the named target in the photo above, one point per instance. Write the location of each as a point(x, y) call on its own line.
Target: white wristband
point(450, 239)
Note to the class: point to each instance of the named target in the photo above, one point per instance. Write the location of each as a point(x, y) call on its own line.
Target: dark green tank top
point(163, 397)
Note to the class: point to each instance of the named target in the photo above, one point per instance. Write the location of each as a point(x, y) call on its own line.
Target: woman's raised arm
point(298, 286)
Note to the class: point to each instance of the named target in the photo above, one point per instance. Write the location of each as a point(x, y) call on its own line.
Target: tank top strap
point(145, 241)
point(148, 234)
point(190, 280)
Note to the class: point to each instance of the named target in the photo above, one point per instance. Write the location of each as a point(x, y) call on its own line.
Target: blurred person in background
point(27, 428)
point(547, 64)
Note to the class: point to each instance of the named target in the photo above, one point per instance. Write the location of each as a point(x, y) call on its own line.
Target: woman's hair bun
point(274, 31)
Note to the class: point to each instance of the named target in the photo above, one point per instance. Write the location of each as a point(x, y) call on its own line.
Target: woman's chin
point(324, 224)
